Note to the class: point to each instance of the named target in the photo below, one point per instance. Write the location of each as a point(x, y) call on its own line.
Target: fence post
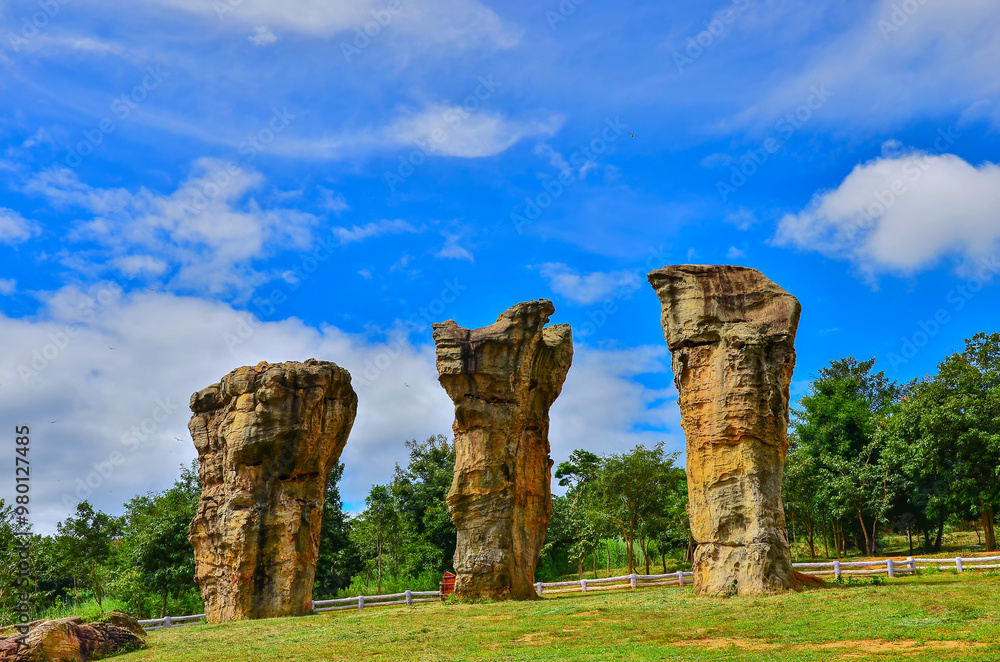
point(361, 602)
point(166, 621)
point(631, 579)
point(836, 568)
point(889, 569)
point(539, 588)
point(911, 563)
point(583, 585)
point(680, 578)
point(409, 598)
point(958, 564)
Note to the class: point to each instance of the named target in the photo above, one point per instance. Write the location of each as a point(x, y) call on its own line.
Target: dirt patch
point(906, 645)
point(533, 638)
point(727, 642)
point(801, 579)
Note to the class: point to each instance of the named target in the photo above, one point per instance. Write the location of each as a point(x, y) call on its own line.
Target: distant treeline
point(868, 456)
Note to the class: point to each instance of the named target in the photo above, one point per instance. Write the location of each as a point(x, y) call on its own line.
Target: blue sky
point(349, 172)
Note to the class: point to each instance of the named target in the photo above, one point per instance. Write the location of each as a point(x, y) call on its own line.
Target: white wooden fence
point(607, 583)
point(170, 621)
point(891, 567)
point(408, 598)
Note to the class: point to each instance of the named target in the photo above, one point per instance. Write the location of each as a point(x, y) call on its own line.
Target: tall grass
point(361, 585)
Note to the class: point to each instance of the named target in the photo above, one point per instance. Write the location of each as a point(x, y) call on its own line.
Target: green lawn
point(937, 616)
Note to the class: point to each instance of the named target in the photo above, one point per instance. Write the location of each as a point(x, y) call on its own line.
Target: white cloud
point(453, 250)
point(332, 201)
point(165, 347)
point(585, 289)
point(49, 44)
point(715, 160)
point(262, 36)
point(8, 286)
point(734, 253)
point(437, 130)
point(208, 232)
point(559, 162)
point(452, 131)
point(894, 64)
point(902, 213)
point(14, 228)
point(372, 229)
point(604, 408)
point(458, 23)
point(742, 218)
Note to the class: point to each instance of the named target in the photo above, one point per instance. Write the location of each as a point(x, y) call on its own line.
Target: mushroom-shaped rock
point(267, 438)
point(502, 378)
point(731, 333)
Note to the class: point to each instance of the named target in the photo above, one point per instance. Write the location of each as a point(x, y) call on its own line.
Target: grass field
point(935, 616)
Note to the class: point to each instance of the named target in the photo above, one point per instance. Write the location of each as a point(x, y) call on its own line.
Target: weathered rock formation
point(267, 438)
point(731, 332)
point(503, 379)
point(72, 640)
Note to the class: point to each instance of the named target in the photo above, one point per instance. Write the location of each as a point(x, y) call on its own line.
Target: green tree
point(85, 539)
point(377, 529)
point(836, 428)
point(339, 558)
point(951, 424)
point(580, 475)
point(155, 537)
point(420, 490)
point(631, 490)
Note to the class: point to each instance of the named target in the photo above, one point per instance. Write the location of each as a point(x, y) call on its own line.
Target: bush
point(360, 585)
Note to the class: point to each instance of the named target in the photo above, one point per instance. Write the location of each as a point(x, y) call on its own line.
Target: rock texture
point(72, 640)
point(731, 332)
point(503, 379)
point(267, 438)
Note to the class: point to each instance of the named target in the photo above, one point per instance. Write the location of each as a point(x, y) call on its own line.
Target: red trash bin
point(447, 585)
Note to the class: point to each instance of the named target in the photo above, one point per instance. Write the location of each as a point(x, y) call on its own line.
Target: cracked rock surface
point(731, 334)
point(502, 378)
point(267, 438)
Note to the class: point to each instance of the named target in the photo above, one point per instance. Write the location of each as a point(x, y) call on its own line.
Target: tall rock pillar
point(503, 379)
point(267, 438)
point(731, 332)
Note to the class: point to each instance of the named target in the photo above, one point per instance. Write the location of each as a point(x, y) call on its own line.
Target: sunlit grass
point(939, 616)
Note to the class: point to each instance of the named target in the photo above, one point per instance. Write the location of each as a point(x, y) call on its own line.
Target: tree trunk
point(909, 534)
point(379, 591)
point(826, 545)
point(98, 594)
point(810, 532)
point(940, 534)
point(989, 527)
point(864, 532)
point(663, 556)
point(630, 548)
